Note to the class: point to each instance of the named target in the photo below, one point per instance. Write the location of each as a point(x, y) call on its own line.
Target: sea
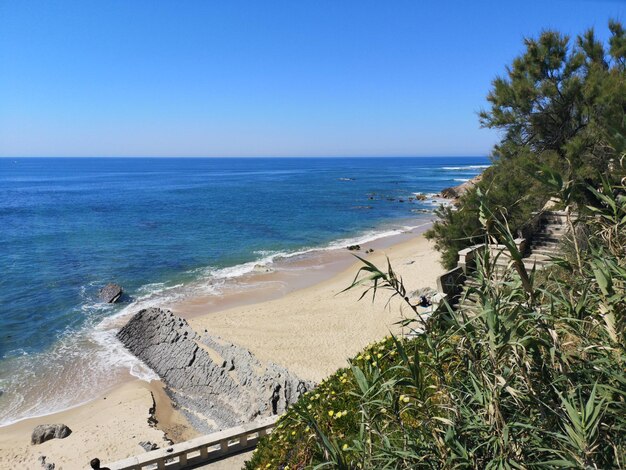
point(169, 228)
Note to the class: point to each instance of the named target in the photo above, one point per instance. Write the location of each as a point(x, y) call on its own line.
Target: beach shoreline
point(96, 357)
point(285, 314)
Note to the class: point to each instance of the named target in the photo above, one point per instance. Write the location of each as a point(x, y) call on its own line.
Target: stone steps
point(544, 247)
point(544, 250)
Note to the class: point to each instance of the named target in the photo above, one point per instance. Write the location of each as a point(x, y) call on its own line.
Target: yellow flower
point(309, 407)
point(293, 433)
point(331, 412)
point(368, 357)
point(374, 363)
point(379, 355)
point(345, 447)
point(406, 399)
point(359, 358)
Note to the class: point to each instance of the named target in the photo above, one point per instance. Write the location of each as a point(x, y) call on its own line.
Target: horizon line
point(243, 156)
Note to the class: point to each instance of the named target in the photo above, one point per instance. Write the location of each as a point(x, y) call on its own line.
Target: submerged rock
point(262, 268)
point(45, 432)
point(110, 293)
point(215, 383)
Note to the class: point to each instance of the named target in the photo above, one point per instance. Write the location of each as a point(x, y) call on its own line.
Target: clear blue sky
point(328, 77)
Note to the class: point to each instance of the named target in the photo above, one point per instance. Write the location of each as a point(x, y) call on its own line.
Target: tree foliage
point(536, 378)
point(562, 105)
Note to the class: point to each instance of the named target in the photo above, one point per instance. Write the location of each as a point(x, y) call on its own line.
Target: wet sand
point(312, 331)
point(295, 317)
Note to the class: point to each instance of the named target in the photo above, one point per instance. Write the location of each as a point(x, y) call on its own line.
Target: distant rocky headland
point(456, 192)
point(216, 384)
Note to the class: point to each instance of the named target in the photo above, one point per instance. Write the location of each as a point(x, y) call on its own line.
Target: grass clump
point(536, 377)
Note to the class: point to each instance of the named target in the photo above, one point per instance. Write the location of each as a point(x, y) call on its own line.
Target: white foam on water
point(112, 354)
point(84, 362)
point(463, 180)
point(465, 167)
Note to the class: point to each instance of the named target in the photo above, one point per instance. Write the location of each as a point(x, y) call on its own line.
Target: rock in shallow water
point(111, 293)
point(216, 383)
point(45, 432)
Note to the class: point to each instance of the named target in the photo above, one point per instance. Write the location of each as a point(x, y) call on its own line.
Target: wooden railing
point(200, 450)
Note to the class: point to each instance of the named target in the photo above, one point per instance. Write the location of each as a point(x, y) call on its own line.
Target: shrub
point(560, 105)
point(535, 378)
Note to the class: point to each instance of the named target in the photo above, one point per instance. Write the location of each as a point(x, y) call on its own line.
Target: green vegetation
point(537, 376)
point(536, 379)
point(560, 106)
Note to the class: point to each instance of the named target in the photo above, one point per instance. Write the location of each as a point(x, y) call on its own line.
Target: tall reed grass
point(536, 377)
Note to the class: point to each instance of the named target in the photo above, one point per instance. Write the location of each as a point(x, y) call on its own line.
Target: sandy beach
point(312, 331)
point(299, 320)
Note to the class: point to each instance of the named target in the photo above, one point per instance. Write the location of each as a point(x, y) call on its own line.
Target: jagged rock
point(45, 432)
point(456, 192)
point(110, 293)
point(216, 384)
point(354, 247)
point(148, 446)
point(420, 197)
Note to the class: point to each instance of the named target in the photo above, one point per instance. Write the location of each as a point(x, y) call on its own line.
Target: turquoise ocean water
point(68, 226)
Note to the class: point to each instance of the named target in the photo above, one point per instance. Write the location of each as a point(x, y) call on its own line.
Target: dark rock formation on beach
point(110, 293)
point(217, 384)
point(45, 432)
point(456, 192)
point(148, 446)
point(45, 465)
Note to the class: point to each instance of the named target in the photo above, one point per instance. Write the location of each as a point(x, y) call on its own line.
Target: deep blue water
point(67, 225)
